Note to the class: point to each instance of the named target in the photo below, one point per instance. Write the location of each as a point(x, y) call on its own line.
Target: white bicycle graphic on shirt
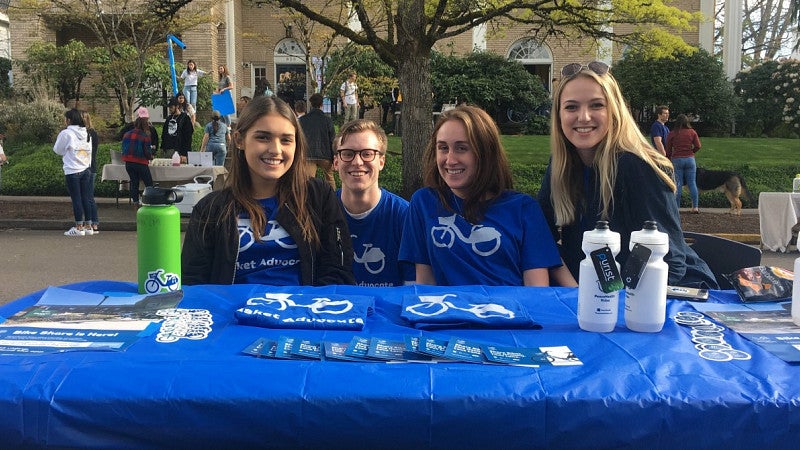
point(275, 233)
point(320, 304)
point(433, 305)
point(444, 236)
point(371, 255)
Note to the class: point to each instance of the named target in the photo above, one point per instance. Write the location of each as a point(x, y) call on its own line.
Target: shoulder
point(393, 199)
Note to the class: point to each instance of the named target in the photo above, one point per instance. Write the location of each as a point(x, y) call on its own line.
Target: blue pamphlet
point(307, 349)
point(464, 350)
point(532, 357)
point(358, 347)
point(336, 351)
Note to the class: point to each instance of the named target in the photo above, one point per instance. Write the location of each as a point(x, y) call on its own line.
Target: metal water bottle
point(796, 293)
point(597, 310)
point(158, 238)
point(646, 304)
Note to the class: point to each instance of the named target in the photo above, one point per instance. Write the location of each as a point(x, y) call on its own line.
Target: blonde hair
point(566, 167)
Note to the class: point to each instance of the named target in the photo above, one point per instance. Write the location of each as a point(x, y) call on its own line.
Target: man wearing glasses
point(374, 215)
point(319, 132)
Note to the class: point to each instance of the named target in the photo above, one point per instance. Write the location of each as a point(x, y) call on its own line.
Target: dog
point(728, 182)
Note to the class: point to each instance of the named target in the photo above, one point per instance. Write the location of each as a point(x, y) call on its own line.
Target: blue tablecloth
point(633, 390)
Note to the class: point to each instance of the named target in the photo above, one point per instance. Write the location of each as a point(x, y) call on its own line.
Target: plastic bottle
point(597, 310)
point(158, 240)
point(796, 183)
point(646, 305)
point(796, 293)
point(176, 159)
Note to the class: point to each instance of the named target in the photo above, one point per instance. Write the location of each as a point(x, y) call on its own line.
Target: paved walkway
point(35, 254)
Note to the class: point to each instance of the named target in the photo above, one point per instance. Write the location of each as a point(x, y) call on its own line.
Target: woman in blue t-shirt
point(467, 226)
point(271, 224)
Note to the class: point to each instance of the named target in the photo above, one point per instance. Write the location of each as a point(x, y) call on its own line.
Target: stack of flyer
point(411, 349)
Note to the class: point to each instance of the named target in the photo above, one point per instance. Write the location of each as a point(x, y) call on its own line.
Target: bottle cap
point(154, 195)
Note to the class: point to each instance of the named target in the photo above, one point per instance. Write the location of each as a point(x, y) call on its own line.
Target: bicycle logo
point(433, 305)
point(371, 255)
point(158, 279)
point(275, 232)
point(444, 236)
point(321, 305)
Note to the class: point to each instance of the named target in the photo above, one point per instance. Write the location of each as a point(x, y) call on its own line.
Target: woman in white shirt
point(189, 76)
point(75, 148)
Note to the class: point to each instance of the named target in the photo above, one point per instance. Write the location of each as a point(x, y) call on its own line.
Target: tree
point(487, 80)
point(403, 33)
point(119, 25)
point(766, 29)
point(688, 82)
point(61, 69)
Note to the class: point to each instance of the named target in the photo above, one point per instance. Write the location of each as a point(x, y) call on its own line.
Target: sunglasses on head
point(598, 67)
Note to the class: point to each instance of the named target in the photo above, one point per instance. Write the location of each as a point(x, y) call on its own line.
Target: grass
point(767, 164)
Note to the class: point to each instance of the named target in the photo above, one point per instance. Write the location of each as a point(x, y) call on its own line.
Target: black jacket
point(211, 245)
point(180, 137)
point(319, 132)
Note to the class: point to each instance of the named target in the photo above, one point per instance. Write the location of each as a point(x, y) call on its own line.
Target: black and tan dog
point(729, 183)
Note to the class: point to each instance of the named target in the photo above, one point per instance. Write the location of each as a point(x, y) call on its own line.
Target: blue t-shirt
point(512, 238)
point(274, 259)
point(659, 129)
point(220, 137)
point(376, 243)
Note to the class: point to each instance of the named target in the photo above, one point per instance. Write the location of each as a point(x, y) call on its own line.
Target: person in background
point(349, 94)
point(224, 84)
point(141, 111)
point(137, 151)
point(176, 135)
point(300, 108)
point(603, 168)
point(319, 132)
point(190, 76)
point(3, 158)
point(187, 108)
point(93, 216)
point(467, 226)
point(374, 215)
point(659, 130)
point(75, 148)
point(216, 139)
point(682, 144)
point(271, 224)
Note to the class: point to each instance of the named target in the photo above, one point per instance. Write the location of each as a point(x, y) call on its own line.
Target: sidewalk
point(113, 217)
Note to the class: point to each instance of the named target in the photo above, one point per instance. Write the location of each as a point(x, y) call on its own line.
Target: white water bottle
point(796, 293)
point(796, 183)
point(646, 304)
point(597, 310)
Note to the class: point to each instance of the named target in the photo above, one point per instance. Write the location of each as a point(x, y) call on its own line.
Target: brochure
point(69, 320)
point(769, 325)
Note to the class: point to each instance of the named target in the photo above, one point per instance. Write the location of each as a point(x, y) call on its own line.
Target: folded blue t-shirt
point(306, 311)
point(465, 310)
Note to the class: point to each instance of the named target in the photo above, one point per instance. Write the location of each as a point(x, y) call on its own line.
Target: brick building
point(258, 46)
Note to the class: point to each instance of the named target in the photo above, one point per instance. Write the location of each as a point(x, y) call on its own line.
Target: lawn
point(766, 164)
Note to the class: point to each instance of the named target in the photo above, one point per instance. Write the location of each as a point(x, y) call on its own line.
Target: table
point(117, 172)
point(634, 390)
point(778, 212)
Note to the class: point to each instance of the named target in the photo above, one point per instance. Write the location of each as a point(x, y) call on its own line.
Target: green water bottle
point(158, 240)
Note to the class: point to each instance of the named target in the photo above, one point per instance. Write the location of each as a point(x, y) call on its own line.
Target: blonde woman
point(271, 224)
point(603, 168)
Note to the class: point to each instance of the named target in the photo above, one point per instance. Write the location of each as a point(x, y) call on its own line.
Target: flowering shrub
point(769, 94)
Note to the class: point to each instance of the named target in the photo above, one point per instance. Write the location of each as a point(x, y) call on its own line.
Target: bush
point(35, 122)
point(770, 95)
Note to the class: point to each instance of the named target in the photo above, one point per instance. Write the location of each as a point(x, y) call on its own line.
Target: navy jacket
point(639, 195)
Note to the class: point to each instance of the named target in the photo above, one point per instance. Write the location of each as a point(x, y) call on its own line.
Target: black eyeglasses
point(366, 155)
point(597, 67)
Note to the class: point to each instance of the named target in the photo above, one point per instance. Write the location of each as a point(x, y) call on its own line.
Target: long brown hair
point(292, 190)
point(492, 172)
